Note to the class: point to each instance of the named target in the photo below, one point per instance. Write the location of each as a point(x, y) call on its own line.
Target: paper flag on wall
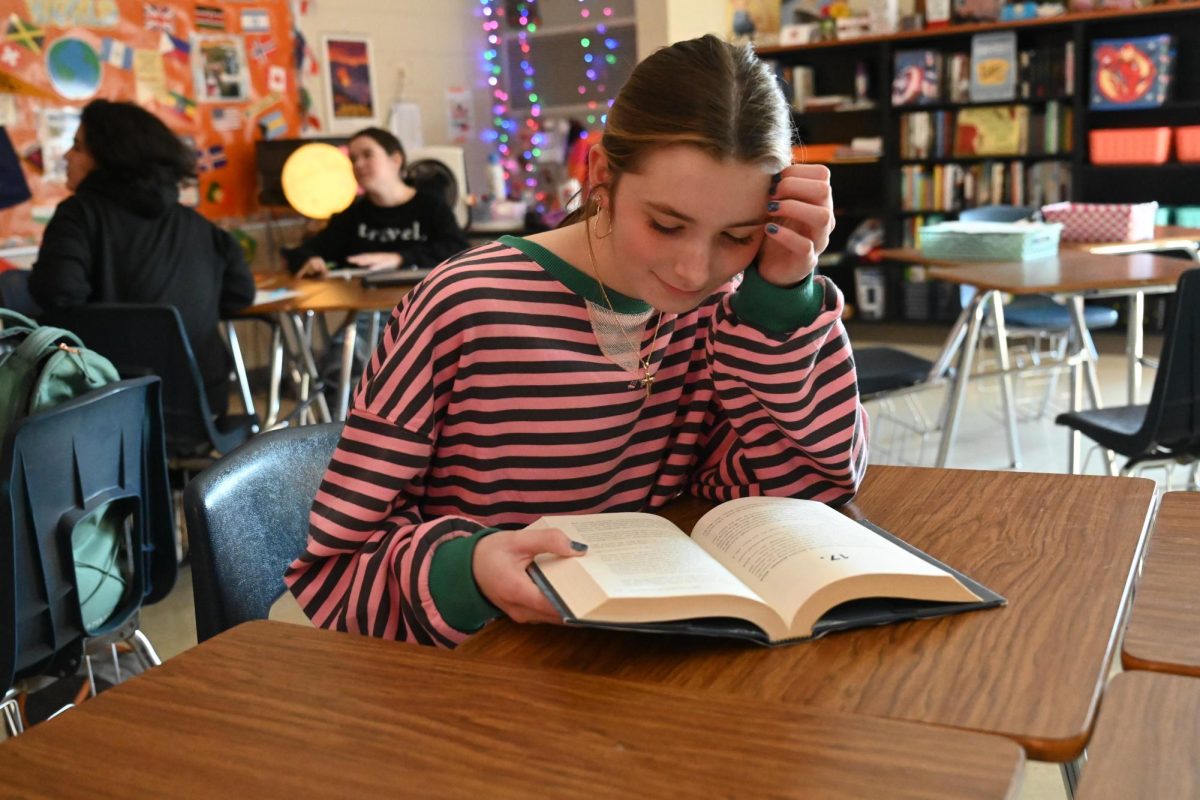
point(24, 33)
point(261, 49)
point(273, 125)
point(227, 119)
point(175, 47)
point(210, 159)
point(159, 18)
point(116, 53)
point(214, 193)
point(182, 105)
point(210, 17)
point(255, 20)
point(10, 56)
point(277, 78)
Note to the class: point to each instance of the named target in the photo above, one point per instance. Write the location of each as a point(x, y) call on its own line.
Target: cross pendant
point(648, 381)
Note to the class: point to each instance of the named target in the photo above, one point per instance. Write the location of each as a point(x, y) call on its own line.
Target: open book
point(770, 569)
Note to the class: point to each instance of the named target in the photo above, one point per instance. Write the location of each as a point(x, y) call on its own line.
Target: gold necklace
point(647, 379)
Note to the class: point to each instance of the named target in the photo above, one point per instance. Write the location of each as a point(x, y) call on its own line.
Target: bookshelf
point(834, 66)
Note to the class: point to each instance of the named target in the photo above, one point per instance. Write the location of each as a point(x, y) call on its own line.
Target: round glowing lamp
point(318, 180)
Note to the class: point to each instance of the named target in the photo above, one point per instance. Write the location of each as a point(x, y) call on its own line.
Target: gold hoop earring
point(596, 222)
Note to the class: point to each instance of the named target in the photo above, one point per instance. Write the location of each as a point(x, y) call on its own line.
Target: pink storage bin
point(1103, 222)
point(1187, 143)
point(1130, 145)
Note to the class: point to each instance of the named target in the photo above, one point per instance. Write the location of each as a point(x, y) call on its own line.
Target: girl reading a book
point(670, 336)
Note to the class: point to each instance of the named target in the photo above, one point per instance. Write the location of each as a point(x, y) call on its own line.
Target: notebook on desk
point(393, 277)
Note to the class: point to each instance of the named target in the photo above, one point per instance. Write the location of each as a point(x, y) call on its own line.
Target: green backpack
point(41, 367)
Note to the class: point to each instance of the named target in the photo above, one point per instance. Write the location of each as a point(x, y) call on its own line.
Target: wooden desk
point(1147, 741)
point(271, 709)
point(1072, 272)
point(1164, 626)
point(316, 296)
point(1061, 548)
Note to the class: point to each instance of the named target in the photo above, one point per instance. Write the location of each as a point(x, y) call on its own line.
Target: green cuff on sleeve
point(777, 309)
point(452, 584)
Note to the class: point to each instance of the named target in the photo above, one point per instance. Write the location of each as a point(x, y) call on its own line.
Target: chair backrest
point(997, 213)
point(1173, 413)
point(149, 339)
point(14, 293)
point(247, 519)
point(104, 449)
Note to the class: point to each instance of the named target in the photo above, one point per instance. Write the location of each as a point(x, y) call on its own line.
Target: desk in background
point(1076, 273)
point(303, 298)
point(271, 709)
point(1061, 548)
point(1164, 626)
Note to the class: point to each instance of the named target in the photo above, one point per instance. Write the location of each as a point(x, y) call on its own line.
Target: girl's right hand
point(499, 565)
point(315, 267)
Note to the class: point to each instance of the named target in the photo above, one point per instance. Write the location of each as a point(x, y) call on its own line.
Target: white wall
point(662, 22)
point(437, 44)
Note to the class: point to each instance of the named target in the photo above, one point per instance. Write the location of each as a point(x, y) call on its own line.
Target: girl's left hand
point(800, 219)
point(376, 260)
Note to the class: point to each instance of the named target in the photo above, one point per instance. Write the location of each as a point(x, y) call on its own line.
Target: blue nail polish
point(773, 205)
point(578, 547)
point(772, 227)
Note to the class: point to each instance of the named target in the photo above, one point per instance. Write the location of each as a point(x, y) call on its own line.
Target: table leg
point(349, 337)
point(309, 373)
point(1134, 345)
point(1087, 348)
point(952, 344)
point(276, 375)
point(1006, 381)
point(239, 367)
point(974, 316)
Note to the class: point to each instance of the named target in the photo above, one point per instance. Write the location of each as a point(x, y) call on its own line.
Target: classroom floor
point(980, 445)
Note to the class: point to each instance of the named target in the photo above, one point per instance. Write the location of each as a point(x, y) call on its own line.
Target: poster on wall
point(349, 83)
point(219, 69)
point(219, 73)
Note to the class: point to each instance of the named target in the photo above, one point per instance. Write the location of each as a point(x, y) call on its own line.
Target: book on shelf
point(1134, 72)
point(992, 131)
point(917, 77)
point(993, 66)
point(958, 78)
point(769, 569)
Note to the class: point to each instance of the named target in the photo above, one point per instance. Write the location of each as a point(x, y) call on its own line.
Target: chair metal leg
point(143, 649)
point(239, 366)
point(1075, 442)
point(974, 315)
point(14, 723)
point(1006, 381)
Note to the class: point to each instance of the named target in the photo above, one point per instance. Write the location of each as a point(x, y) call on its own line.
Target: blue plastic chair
point(102, 449)
point(247, 519)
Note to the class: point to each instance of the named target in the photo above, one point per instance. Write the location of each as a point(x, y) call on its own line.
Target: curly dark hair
point(131, 144)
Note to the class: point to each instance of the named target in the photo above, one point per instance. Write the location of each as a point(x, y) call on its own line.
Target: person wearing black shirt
point(391, 226)
point(124, 238)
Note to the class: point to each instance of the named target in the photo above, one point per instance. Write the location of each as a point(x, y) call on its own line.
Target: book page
point(640, 555)
point(787, 550)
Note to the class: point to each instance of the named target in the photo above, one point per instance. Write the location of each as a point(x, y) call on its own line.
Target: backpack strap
point(7, 315)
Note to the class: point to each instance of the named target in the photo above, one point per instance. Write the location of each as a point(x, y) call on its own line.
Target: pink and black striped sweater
point(488, 404)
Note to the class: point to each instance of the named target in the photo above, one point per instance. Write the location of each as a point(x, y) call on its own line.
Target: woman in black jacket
point(124, 238)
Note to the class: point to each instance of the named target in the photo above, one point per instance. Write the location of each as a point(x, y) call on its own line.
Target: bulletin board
point(220, 73)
